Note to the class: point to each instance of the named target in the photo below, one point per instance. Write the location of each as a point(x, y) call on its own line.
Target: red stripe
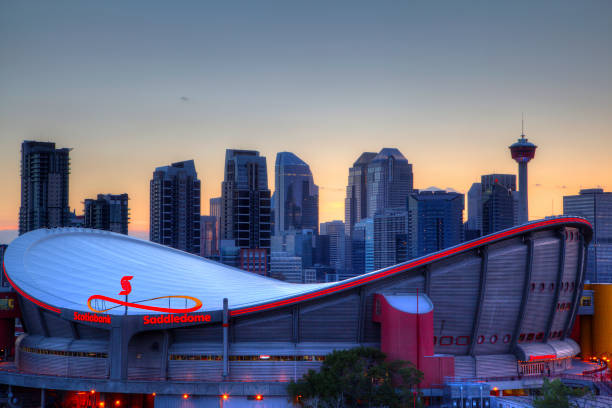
point(405, 267)
point(25, 295)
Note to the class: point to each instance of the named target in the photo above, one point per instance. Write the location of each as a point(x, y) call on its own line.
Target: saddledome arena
point(190, 330)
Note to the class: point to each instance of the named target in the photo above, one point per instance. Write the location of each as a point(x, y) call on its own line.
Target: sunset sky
point(135, 85)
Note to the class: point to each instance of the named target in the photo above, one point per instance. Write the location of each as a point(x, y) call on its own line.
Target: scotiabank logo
point(93, 318)
point(100, 303)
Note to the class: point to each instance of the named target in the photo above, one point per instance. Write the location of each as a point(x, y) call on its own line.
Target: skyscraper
point(44, 186)
point(523, 152)
point(215, 211)
point(389, 181)
point(208, 236)
point(175, 207)
point(362, 247)
point(498, 208)
point(108, 212)
point(356, 201)
point(296, 205)
point(390, 237)
point(436, 220)
point(474, 218)
point(596, 206)
point(337, 242)
point(245, 209)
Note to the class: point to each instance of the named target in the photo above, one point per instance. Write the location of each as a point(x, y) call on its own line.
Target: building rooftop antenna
point(523, 125)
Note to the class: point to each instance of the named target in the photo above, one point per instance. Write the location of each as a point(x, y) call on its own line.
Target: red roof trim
point(30, 298)
point(394, 270)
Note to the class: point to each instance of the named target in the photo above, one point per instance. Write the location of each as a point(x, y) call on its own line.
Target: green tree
point(555, 394)
point(359, 377)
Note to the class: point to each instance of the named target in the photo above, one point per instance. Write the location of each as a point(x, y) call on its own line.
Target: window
point(530, 336)
point(539, 336)
point(446, 340)
point(521, 338)
point(480, 339)
point(493, 339)
point(462, 340)
point(507, 338)
point(586, 301)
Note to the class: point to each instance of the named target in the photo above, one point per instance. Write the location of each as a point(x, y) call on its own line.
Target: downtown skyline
point(430, 84)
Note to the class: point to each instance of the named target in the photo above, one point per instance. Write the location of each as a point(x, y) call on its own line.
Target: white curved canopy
point(63, 267)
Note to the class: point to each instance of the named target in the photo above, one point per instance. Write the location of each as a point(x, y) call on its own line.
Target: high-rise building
point(245, 208)
point(215, 211)
point(523, 152)
point(108, 212)
point(436, 220)
point(362, 246)
point(296, 196)
point(175, 207)
point(389, 181)
point(498, 209)
point(208, 236)
point(356, 201)
point(390, 237)
point(44, 186)
point(596, 206)
point(474, 218)
point(337, 243)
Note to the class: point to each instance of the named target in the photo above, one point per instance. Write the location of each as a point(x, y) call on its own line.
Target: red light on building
point(185, 396)
point(93, 391)
point(264, 357)
point(225, 397)
point(101, 404)
point(258, 397)
point(154, 394)
point(117, 403)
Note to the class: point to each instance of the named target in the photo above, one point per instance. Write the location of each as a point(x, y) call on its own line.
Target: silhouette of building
point(436, 220)
point(296, 197)
point(108, 212)
point(175, 207)
point(498, 208)
point(45, 174)
point(596, 206)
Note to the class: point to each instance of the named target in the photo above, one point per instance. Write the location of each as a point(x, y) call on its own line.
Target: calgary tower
point(523, 151)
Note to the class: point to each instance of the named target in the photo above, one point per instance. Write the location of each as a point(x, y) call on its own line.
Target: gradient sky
point(134, 85)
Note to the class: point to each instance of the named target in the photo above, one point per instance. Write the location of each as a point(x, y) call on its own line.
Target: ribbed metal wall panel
point(498, 365)
point(270, 371)
point(145, 355)
point(465, 367)
point(502, 301)
point(210, 333)
point(545, 269)
point(566, 293)
point(258, 327)
point(371, 329)
point(454, 292)
point(333, 319)
point(46, 364)
point(29, 313)
point(193, 370)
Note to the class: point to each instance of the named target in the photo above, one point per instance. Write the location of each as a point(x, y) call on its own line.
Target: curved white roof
point(63, 267)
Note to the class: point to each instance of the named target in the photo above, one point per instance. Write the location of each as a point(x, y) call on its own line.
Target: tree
point(555, 394)
point(359, 377)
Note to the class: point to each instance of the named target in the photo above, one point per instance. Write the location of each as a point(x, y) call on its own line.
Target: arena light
point(224, 397)
point(93, 391)
point(117, 403)
point(264, 357)
point(185, 396)
point(101, 404)
point(259, 397)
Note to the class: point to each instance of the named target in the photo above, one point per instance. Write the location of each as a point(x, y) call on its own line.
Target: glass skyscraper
point(296, 205)
point(436, 220)
point(389, 181)
point(596, 206)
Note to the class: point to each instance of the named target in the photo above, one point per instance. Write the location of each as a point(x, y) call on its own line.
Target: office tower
point(362, 246)
point(44, 186)
point(498, 208)
point(389, 181)
point(473, 226)
point(337, 243)
point(523, 152)
point(356, 201)
point(108, 212)
point(215, 211)
point(286, 267)
point(296, 197)
point(208, 236)
point(596, 206)
point(390, 237)
point(436, 220)
point(175, 207)
point(245, 207)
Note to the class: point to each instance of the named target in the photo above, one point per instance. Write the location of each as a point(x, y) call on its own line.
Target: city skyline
point(188, 82)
